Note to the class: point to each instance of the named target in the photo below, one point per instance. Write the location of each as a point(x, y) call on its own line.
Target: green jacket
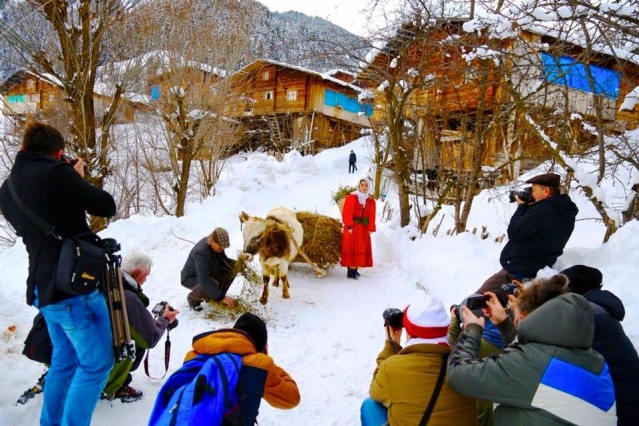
point(404, 382)
point(550, 377)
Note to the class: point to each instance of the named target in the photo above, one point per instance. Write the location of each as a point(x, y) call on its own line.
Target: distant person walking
point(352, 159)
point(359, 221)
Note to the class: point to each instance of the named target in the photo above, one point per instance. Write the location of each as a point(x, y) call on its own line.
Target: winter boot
point(196, 297)
point(127, 394)
point(356, 272)
point(350, 273)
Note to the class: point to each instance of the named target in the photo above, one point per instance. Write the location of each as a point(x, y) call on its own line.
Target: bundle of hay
point(322, 239)
point(246, 302)
point(340, 195)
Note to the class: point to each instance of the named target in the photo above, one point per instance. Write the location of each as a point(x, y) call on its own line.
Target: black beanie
point(253, 326)
point(582, 279)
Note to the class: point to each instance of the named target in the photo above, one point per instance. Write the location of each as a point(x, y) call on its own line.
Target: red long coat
point(356, 247)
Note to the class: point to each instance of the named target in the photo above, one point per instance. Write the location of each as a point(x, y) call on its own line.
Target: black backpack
point(38, 346)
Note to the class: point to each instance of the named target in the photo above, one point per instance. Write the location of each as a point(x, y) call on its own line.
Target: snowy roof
point(324, 76)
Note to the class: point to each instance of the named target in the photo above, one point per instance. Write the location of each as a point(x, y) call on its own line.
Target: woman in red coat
point(359, 221)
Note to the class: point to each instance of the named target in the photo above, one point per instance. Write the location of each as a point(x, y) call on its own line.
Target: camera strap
point(435, 395)
point(167, 357)
point(45, 226)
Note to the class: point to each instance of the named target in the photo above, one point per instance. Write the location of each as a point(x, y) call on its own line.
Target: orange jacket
point(260, 377)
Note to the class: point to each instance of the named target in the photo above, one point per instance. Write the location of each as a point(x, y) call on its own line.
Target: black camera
point(510, 289)
point(524, 195)
point(110, 245)
point(158, 311)
point(69, 159)
point(474, 302)
point(393, 317)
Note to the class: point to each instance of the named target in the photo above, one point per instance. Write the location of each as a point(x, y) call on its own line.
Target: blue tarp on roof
point(568, 72)
point(336, 99)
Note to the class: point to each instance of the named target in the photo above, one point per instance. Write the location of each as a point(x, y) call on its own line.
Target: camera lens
point(393, 317)
point(173, 324)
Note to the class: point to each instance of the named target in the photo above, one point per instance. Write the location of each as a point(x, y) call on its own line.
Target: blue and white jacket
point(551, 376)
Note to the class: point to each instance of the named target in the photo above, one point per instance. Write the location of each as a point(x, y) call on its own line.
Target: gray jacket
point(551, 376)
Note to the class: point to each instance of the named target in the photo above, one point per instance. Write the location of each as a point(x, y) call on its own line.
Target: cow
point(272, 238)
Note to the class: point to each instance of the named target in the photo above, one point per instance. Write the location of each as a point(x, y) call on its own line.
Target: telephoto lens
point(393, 317)
point(172, 325)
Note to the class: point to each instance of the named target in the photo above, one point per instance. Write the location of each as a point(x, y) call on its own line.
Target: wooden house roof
point(261, 63)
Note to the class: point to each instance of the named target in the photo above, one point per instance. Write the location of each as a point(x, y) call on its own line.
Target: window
point(565, 71)
point(268, 95)
point(155, 92)
point(31, 84)
point(33, 98)
point(51, 97)
point(265, 76)
point(291, 95)
point(14, 99)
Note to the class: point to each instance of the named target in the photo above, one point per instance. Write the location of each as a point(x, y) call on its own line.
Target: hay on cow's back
point(322, 239)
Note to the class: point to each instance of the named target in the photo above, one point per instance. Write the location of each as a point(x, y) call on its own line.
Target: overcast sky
point(348, 14)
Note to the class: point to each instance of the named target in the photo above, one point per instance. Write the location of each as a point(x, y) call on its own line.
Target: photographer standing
point(408, 386)
point(537, 232)
point(146, 330)
point(79, 326)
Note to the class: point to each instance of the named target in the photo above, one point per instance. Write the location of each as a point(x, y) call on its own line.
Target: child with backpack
point(224, 378)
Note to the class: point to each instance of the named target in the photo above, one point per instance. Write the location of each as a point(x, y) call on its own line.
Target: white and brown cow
point(272, 239)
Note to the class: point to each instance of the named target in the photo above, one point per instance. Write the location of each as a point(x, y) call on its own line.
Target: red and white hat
point(427, 319)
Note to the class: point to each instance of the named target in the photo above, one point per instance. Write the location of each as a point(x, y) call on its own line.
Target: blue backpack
point(202, 391)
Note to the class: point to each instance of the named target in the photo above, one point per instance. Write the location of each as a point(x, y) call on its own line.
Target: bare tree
point(64, 41)
point(197, 46)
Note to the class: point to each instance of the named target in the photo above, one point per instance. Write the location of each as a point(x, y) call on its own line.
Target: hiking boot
point(127, 394)
point(196, 297)
point(351, 274)
point(196, 307)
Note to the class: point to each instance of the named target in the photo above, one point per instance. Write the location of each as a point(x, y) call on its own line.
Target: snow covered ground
point(329, 333)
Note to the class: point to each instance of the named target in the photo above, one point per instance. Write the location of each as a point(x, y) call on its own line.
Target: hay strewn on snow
point(322, 239)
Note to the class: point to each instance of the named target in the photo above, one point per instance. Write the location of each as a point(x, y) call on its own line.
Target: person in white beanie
point(408, 386)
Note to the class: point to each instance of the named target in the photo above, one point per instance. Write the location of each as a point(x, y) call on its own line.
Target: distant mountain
point(289, 37)
point(310, 42)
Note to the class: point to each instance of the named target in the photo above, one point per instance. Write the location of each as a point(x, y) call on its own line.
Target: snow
point(328, 335)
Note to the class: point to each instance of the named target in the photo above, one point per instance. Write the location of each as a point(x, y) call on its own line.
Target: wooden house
point(475, 93)
point(287, 107)
point(25, 94)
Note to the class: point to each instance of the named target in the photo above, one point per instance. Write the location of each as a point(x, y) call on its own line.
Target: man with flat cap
point(537, 232)
point(208, 272)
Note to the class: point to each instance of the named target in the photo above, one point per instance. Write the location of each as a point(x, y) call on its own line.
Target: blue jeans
point(80, 330)
point(373, 413)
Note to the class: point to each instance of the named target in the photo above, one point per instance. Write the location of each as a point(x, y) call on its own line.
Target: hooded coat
point(357, 251)
point(260, 377)
point(550, 377)
point(611, 342)
point(537, 234)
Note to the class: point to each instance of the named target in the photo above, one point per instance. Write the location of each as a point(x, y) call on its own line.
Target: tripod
point(123, 345)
